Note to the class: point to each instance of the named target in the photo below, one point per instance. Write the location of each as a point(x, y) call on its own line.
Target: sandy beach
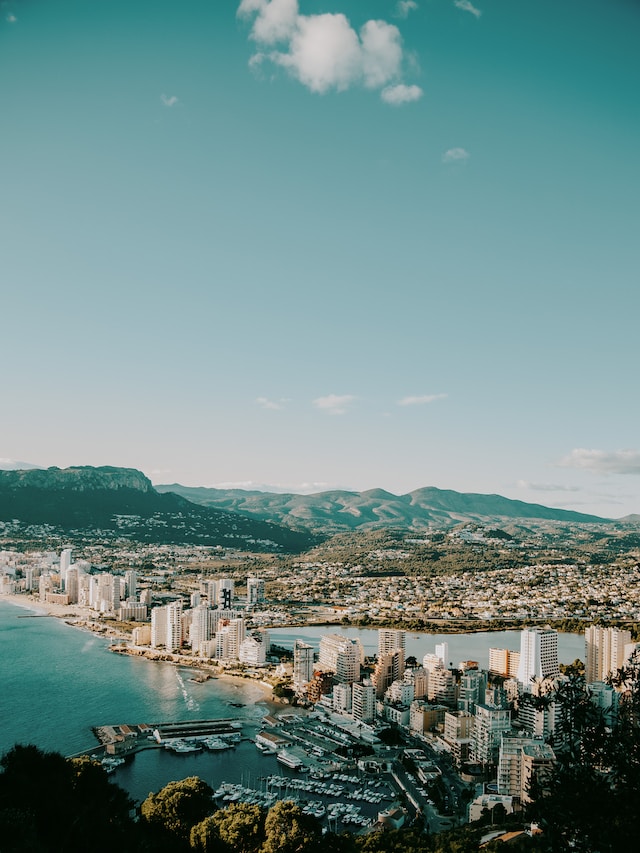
point(85, 619)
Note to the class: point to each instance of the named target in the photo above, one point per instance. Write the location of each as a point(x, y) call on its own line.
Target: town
point(454, 743)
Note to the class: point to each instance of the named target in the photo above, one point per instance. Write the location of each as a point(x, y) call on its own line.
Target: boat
point(111, 762)
point(183, 747)
point(215, 743)
point(289, 760)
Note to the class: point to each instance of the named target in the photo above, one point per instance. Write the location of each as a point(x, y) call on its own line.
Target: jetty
point(128, 738)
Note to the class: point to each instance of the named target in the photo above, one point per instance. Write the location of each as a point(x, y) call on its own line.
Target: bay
point(57, 682)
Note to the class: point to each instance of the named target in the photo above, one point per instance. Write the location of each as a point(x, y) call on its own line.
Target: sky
point(309, 245)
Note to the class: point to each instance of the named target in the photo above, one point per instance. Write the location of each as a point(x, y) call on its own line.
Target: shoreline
point(76, 616)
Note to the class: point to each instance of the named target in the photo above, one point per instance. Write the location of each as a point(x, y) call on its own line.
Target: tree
point(590, 800)
point(239, 828)
point(175, 809)
point(49, 803)
point(288, 830)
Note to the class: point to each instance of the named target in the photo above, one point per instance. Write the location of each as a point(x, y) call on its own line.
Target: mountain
point(337, 511)
point(15, 465)
point(123, 502)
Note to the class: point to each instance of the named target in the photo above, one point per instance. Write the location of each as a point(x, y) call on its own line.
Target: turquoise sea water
point(57, 682)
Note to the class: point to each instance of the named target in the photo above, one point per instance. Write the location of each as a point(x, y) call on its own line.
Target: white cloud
point(400, 94)
point(277, 488)
point(467, 6)
point(169, 100)
point(545, 487)
point(11, 19)
point(420, 400)
point(455, 155)
point(334, 404)
point(403, 7)
point(275, 21)
point(603, 461)
point(324, 52)
point(266, 403)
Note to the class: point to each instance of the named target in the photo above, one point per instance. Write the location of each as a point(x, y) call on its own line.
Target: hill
point(123, 502)
point(336, 511)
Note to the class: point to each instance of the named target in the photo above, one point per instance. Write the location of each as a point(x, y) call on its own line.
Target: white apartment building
point(488, 726)
point(363, 701)
point(521, 759)
point(390, 640)
point(229, 638)
point(252, 651)
point(132, 611)
point(400, 692)
point(202, 627)
point(538, 655)
point(166, 626)
point(342, 656)
point(342, 698)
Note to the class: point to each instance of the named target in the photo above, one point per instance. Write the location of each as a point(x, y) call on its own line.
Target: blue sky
point(325, 244)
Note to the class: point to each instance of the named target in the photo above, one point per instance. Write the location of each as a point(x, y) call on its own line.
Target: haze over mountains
point(335, 511)
point(123, 502)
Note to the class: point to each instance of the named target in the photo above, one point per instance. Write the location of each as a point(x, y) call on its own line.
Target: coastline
point(76, 616)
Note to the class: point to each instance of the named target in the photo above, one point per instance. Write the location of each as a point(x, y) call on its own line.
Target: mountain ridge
point(123, 502)
point(339, 510)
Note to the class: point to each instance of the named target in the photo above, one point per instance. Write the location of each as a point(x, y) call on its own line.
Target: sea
point(58, 682)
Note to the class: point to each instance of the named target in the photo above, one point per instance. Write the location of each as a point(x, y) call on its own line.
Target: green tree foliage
point(175, 809)
point(287, 830)
point(49, 803)
point(237, 829)
point(590, 801)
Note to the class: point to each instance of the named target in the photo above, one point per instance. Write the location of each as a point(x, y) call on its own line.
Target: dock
point(127, 738)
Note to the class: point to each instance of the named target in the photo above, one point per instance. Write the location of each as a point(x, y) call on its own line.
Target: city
point(451, 740)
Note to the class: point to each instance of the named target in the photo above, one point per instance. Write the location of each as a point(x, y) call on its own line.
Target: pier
point(127, 738)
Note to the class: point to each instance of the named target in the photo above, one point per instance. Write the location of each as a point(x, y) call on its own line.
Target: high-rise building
point(604, 651)
point(65, 562)
point(488, 726)
point(226, 592)
point(521, 760)
point(390, 640)
point(71, 585)
point(504, 662)
point(363, 701)
point(229, 638)
point(389, 668)
point(255, 591)
point(201, 629)
point(538, 655)
point(342, 656)
point(442, 651)
point(166, 626)
point(131, 582)
point(302, 663)
point(209, 588)
point(471, 690)
point(253, 650)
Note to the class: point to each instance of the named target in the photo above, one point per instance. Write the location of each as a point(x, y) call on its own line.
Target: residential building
point(521, 760)
point(363, 701)
point(342, 656)
point(255, 591)
point(303, 658)
point(538, 655)
point(488, 726)
point(604, 651)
